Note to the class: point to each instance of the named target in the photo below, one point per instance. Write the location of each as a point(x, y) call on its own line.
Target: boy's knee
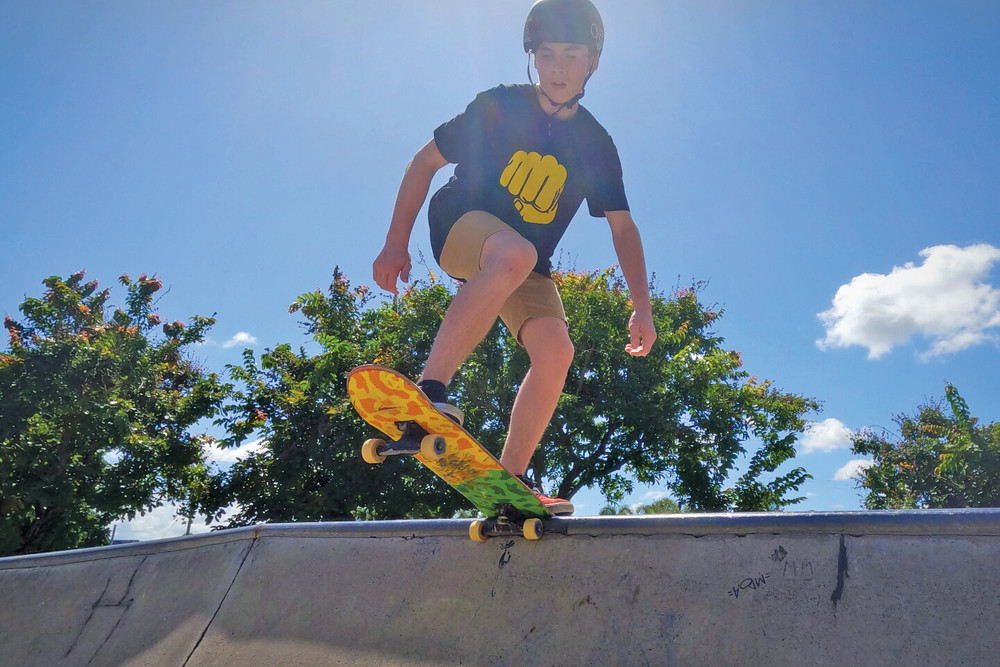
point(511, 253)
point(549, 345)
point(563, 352)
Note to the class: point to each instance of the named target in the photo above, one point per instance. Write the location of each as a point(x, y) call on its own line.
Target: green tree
point(661, 506)
point(96, 415)
point(681, 416)
point(941, 458)
point(309, 466)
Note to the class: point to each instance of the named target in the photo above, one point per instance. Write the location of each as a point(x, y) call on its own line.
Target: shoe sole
point(559, 508)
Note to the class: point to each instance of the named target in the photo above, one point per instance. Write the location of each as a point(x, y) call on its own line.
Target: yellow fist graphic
point(536, 183)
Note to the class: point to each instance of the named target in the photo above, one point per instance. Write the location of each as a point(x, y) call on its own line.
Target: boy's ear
point(596, 62)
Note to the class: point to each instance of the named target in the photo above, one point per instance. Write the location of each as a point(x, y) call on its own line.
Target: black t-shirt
point(532, 171)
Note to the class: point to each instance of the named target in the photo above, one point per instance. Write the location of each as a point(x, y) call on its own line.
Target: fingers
point(388, 284)
point(642, 336)
point(388, 267)
point(384, 277)
point(635, 344)
point(641, 349)
point(637, 351)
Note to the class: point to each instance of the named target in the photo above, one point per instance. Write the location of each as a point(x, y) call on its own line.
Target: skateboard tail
point(492, 492)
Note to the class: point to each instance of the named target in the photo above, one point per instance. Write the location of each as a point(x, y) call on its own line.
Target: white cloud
point(652, 496)
point(851, 470)
point(944, 299)
point(160, 523)
point(163, 522)
point(825, 436)
point(228, 456)
point(241, 338)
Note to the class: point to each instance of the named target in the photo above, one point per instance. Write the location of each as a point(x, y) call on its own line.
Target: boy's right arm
point(394, 260)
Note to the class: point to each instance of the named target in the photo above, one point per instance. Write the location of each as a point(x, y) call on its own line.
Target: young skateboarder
point(526, 157)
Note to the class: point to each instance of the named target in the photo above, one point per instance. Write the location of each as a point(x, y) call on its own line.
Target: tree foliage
point(682, 416)
point(98, 411)
point(96, 414)
point(661, 506)
point(308, 466)
point(942, 457)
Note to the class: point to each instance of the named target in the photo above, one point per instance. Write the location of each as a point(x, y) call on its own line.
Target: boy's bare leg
point(551, 352)
point(507, 259)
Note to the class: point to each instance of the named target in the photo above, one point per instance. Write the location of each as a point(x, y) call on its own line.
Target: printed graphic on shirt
point(536, 182)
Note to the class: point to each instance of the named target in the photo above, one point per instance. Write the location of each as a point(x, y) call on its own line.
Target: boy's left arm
point(628, 246)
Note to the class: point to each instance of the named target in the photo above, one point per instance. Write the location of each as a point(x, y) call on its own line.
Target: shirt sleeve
point(607, 191)
point(460, 137)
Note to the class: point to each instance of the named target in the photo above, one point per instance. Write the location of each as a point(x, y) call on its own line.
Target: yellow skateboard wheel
point(369, 451)
point(533, 529)
point(432, 447)
point(477, 531)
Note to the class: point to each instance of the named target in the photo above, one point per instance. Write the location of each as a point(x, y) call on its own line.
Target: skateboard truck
point(508, 522)
point(415, 440)
point(501, 526)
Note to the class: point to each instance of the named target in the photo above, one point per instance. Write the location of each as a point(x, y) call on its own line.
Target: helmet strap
point(562, 105)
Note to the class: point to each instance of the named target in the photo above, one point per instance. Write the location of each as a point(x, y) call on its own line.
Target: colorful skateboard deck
point(388, 400)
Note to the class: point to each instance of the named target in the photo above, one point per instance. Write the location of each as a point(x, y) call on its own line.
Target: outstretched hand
point(642, 332)
point(391, 264)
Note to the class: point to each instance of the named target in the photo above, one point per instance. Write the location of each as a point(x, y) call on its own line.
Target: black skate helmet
point(570, 21)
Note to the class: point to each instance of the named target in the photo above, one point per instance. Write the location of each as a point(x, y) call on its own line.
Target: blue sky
point(789, 153)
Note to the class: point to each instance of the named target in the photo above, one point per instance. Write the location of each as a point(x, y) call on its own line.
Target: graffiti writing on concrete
point(791, 567)
point(750, 583)
point(506, 555)
point(798, 568)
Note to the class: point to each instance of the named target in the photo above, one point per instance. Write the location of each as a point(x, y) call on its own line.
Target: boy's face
point(563, 69)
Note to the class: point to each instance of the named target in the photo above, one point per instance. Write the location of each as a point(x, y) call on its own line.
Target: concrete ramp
point(859, 588)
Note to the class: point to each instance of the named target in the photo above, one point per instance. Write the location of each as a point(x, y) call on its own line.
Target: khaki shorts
point(537, 296)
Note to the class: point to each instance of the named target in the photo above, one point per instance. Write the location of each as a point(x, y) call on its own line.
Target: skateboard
point(398, 408)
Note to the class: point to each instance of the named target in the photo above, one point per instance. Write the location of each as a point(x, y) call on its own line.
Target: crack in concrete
point(124, 603)
point(232, 583)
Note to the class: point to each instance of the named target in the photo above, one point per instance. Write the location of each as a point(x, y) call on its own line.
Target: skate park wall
point(856, 588)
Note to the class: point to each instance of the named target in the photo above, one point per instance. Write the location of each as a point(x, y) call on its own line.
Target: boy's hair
point(569, 21)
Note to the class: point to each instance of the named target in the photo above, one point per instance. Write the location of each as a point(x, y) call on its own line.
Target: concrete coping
point(941, 522)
